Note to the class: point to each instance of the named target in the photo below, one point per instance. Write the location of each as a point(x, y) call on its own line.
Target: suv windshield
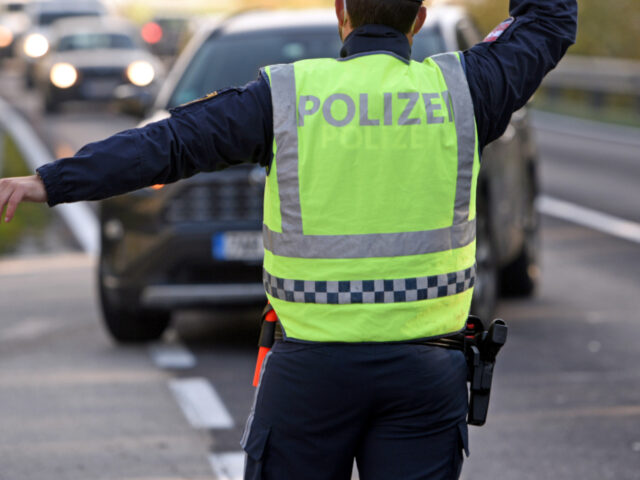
point(234, 60)
point(94, 41)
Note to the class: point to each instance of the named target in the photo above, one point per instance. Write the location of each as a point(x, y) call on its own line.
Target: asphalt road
point(566, 402)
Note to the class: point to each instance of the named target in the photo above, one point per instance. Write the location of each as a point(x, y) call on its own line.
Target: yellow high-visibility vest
point(369, 212)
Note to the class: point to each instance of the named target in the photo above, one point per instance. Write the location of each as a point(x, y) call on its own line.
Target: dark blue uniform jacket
point(236, 126)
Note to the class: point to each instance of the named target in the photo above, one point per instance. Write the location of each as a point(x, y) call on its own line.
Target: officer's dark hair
point(398, 14)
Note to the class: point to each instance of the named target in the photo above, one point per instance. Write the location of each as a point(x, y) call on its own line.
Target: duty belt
point(479, 345)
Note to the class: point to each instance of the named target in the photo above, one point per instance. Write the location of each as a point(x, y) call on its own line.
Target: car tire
point(520, 277)
point(485, 294)
point(132, 324)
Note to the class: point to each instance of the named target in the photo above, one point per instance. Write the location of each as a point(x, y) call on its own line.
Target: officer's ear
point(341, 12)
point(420, 19)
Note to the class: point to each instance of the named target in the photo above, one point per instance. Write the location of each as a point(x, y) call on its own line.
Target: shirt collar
point(371, 38)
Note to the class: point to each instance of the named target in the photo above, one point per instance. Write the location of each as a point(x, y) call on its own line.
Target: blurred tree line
point(605, 28)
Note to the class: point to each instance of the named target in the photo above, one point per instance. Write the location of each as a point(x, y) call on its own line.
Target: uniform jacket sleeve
point(232, 127)
point(503, 74)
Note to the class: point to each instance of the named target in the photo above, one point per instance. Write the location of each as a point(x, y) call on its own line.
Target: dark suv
point(197, 243)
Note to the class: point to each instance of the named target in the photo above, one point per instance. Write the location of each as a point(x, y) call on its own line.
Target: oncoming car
point(197, 243)
point(42, 14)
point(13, 23)
point(91, 57)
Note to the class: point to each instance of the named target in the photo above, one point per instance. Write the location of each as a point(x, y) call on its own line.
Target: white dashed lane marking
point(30, 329)
point(230, 466)
point(201, 404)
point(173, 356)
point(227, 466)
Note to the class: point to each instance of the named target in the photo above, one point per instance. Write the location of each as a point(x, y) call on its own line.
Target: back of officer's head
point(398, 14)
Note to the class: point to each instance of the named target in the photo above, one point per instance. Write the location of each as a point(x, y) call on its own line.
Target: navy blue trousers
point(399, 410)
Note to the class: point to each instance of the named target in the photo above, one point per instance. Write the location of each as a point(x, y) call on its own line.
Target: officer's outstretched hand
point(19, 189)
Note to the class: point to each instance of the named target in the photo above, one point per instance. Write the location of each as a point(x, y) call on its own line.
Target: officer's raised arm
point(508, 66)
point(228, 128)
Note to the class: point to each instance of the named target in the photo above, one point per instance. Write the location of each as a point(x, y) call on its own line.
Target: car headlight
point(141, 73)
point(6, 37)
point(63, 75)
point(36, 45)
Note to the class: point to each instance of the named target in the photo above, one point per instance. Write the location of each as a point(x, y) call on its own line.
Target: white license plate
point(245, 245)
point(100, 88)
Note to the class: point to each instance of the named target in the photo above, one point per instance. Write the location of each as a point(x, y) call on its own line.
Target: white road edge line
point(200, 403)
point(602, 222)
point(227, 466)
point(172, 356)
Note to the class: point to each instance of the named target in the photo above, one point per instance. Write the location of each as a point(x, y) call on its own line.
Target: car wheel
point(131, 324)
point(485, 293)
point(520, 277)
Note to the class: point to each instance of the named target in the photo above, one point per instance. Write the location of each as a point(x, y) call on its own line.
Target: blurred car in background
point(90, 58)
point(42, 14)
point(167, 35)
point(13, 23)
point(197, 243)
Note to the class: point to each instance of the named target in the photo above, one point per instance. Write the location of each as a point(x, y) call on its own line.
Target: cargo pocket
point(254, 444)
point(463, 430)
point(463, 446)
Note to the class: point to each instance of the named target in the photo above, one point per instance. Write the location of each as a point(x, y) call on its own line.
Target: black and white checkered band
point(370, 291)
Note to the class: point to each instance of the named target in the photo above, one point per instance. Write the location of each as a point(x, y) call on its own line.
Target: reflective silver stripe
point(297, 245)
point(370, 291)
point(464, 116)
point(283, 95)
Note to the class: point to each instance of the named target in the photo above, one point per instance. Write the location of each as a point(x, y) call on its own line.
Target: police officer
point(369, 227)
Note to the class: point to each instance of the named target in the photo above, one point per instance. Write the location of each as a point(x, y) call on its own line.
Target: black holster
point(480, 347)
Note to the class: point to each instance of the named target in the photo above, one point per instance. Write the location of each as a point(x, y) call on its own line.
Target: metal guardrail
point(596, 75)
point(80, 219)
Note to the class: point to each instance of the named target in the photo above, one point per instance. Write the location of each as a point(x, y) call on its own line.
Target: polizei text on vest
point(409, 108)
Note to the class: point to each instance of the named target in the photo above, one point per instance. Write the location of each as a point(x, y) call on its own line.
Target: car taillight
point(151, 33)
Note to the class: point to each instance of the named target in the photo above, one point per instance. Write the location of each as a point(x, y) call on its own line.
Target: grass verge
point(31, 219)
